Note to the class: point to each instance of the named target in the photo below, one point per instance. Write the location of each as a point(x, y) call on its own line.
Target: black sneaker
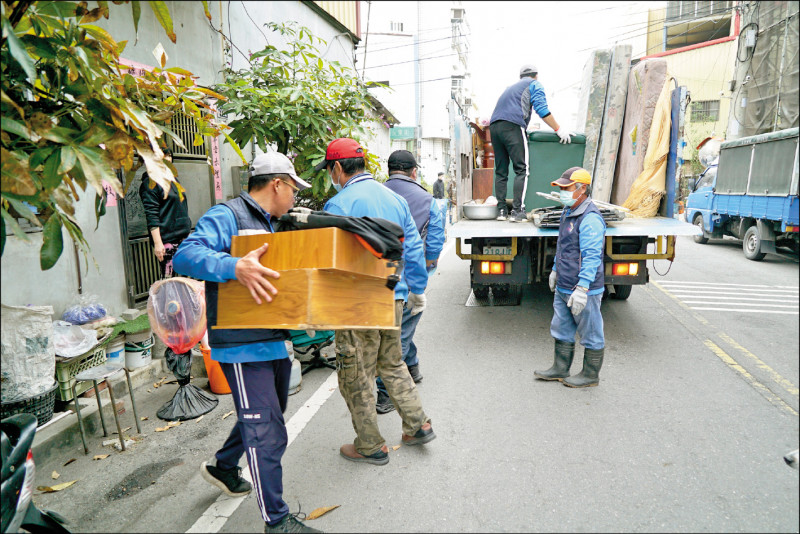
point(230, 481)
point(415, 374)
point(289, 523)
point(384, 403)
point(423, 435)
point(502, 214)
point(518, 216)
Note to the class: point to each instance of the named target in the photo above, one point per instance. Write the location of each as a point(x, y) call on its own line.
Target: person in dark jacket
point(255, 361)
point(508, 127)
point(438, 186)
point(168, 221)
point(578, 281)
point(430, 224)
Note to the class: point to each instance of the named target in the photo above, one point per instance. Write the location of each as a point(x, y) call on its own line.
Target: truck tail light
point(493, 267)
point(625, 269)
point(792, 228)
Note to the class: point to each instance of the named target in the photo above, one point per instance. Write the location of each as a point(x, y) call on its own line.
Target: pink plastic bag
point(177, 311)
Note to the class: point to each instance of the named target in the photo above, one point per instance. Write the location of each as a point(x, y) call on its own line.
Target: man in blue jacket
point(255, 361)
point(429, 220)
point(360, 353)
point(578, 282)
point(508, 127)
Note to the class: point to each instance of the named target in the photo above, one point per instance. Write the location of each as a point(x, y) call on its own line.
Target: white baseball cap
point(276, 163)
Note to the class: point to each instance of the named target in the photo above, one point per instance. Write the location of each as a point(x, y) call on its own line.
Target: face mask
point(565, 197)
point(336, 186)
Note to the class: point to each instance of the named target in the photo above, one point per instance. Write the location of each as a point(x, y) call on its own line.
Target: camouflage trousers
point(360, 356)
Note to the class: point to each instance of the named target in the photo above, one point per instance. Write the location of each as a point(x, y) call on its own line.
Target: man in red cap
point(578, 282)
point(360, 353)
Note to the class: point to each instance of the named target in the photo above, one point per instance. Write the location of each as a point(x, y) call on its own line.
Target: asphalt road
point(686, 431)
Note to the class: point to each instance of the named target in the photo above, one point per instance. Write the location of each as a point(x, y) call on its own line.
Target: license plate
point(496, 251)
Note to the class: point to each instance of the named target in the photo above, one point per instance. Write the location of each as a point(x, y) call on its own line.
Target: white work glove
point(311, 333)
point(417, 302)
point(564, 137)
point(577, 301)
point(299, 214)
point(552, 281)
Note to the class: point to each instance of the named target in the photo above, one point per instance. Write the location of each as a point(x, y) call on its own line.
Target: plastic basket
point(39, 405)
point(68, 370)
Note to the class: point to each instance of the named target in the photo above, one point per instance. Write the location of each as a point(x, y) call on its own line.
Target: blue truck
point(750, 193)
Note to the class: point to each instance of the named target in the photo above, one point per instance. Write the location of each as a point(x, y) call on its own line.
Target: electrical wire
point(411, 61)
point(251, 20)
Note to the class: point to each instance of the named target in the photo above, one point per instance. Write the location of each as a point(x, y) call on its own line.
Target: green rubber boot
point(592, 362)
point(562, 360)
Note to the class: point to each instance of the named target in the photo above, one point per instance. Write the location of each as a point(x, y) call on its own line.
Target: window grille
point(705, 111)
point(185, 128)
point(396, 26)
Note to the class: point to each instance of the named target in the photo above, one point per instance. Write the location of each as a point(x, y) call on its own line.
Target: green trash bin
point(547, 160)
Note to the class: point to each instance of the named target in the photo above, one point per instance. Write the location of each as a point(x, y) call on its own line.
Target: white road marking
point(743, 298)
point(746, 310)
point(677, 282)
point(216, 515)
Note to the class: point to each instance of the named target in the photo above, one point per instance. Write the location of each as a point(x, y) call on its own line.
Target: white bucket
point(115, 352)
point(138, 354)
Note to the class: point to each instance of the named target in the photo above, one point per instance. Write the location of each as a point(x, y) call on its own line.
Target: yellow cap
point(573, 175)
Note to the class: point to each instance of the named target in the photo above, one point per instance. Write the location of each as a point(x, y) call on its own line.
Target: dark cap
point(342, 148)
point(402, 160)
point(573, 175)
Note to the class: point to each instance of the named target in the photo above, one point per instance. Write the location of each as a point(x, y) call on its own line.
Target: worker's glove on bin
point(552, 281)
point(563, 136)
point(417, 302)
point(577, 301)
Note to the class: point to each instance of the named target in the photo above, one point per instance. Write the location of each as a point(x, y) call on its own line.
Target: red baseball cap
point(342, 148)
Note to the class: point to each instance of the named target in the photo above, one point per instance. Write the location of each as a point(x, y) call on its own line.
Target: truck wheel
point(698, 221)
point(621, 292)
point(752, 244)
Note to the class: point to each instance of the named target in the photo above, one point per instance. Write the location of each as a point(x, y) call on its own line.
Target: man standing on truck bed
point(578, 282)
point(508, 126)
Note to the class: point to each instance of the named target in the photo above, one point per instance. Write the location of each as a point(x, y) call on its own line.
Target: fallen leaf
point(55, 475)
point(198, 419)
point(156, 384)
point(395, 447)
point(57, 487)
point(124, 430)
point(163, 429)
point(227, 414)
point(143, 418)
point(101, 456)
point(148, 392)
point(174, 423)
point(319, 512)
point(70, 461)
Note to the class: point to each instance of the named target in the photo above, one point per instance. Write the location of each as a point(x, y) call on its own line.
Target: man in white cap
point(508, 126)
point(255, 361)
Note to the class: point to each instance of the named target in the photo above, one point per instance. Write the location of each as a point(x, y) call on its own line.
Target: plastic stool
point(97, 375)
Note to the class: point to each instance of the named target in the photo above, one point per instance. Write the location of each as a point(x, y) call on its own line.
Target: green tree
point(74, 117)
point(298, 100)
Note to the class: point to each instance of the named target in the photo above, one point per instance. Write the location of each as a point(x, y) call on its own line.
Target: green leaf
point(205, 10)
point(51, 176)
point(18, 51)
point(235, 147)
point(161, 12)
point(101, 35)
point(100, 207)
point(67, 159)
point(94, 166)
point(52, 242)
point(24, 210)
point(136, 9)
point(17, 128)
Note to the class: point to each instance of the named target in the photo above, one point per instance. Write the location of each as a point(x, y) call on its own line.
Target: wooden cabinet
point(328, 281)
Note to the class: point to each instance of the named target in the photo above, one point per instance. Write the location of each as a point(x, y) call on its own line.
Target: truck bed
point(651, 227)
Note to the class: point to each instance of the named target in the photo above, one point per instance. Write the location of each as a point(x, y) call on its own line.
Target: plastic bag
point(177, 311)
point(71, 340)
point(87, 308)
point(26, 351)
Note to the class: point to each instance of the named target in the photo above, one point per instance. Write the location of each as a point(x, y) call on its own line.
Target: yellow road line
point(774, 375)
point(730, 362)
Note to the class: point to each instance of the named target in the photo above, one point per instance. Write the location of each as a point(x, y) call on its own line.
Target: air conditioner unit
point(456, 14)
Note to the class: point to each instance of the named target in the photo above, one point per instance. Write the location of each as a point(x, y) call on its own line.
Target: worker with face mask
point(578, 282)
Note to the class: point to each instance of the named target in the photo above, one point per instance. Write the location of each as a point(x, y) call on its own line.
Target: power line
point(422, 81)
point(411, 61)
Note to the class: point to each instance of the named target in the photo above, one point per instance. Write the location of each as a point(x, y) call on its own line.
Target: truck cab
point(700, 201)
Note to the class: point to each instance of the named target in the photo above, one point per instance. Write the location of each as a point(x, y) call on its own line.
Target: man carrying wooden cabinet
point(254, 361)
point(360, 353)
